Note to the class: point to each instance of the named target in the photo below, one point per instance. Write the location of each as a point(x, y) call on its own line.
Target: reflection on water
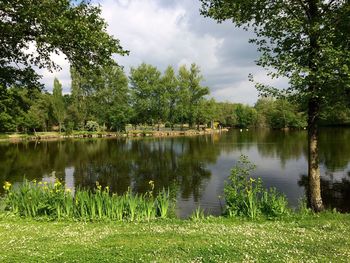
point(197, 166)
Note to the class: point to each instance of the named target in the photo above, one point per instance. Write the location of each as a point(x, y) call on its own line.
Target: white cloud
point(165, 33)
point(158, 35)
point(63, 75)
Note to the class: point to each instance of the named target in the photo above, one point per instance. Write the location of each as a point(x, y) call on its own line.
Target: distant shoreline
point(46, 136)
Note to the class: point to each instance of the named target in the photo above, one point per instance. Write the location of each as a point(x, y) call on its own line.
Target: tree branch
point(303, 5)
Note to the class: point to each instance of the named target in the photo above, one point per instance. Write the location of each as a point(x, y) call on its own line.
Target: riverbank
point(86, 134)
point(303, 238)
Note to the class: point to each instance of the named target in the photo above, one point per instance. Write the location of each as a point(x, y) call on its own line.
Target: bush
point(92, 126)
point(69, 127)
point(247, 197)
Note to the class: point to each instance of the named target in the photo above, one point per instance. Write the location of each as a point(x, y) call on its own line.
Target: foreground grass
point(312, 238)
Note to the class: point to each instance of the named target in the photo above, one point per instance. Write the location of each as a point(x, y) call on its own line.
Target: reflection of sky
point(269, 169)
point(69, 178)
point(336, 175)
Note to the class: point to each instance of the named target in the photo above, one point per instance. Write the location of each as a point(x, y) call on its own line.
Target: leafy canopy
point(306, 41)
point(33, 30)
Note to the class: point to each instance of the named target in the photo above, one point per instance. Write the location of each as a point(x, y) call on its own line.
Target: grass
point(45, 223)
point(315, 238)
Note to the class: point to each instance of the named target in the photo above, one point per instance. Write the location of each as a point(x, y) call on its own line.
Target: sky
point(168, 32)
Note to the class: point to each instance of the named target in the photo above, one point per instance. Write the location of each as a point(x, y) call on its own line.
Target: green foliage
point(105, 97)
point(198, 214)
point(336, 114)
point(6, 122)
point(92, 126)
point(225, 114)
point(163, 203)
point(74, 28)
point(58, 103)
point(147, 93)
point(170, 82)
point(35, 200)
point(247, 197)
point(279, 113)
point(191, 92)
point(303, 209)
point(245, 116)
point(306, 42)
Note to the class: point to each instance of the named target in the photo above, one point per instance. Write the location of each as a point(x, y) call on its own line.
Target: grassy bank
point(310, 238)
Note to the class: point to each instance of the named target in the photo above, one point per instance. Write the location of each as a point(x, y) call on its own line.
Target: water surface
point(196, 167)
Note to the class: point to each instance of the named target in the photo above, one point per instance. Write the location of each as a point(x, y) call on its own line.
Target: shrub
point(69, 127)
point(35, 200)
point(246, 196)
point(92, 126)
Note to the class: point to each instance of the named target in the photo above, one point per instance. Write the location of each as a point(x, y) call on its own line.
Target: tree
point(32, 30)
point(245, 116)
point(15, 102)
point(58, 106)
point(306, 41)
point(204, 112)
point(146, 99)
point(170, 82)
point(78, 110)
point(160, 102)
point(279, 114)
point(225, 114)
point(38, 115)
point(110, 98)
point(192, 91)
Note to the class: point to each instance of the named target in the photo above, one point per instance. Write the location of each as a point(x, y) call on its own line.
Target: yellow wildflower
point(7, 186)
point(57, 183)
point(151, 183)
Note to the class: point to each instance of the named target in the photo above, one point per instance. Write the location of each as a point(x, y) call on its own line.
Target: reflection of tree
point(179, 160)
point(335, 148)
point(119, 163)
point(335, 194)
point(285, 145)
point(270, 143)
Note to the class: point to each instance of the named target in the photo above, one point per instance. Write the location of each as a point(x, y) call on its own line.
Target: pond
point(195, 167)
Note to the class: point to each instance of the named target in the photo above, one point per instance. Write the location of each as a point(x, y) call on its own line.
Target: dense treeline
point(109, 100)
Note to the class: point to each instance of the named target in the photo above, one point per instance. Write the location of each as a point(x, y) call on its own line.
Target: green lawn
point(323, 238)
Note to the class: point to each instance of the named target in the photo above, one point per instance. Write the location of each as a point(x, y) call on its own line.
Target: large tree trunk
point(314, 177)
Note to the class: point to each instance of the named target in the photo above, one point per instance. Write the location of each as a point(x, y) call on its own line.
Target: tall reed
point(32, 199)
